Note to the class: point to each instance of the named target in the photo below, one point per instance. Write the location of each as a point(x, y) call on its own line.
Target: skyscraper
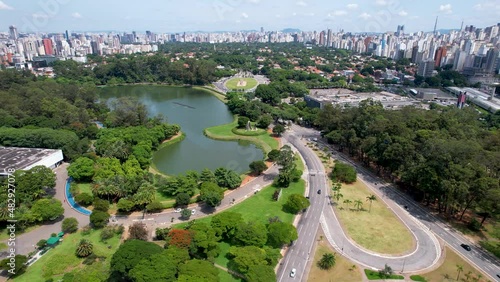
point(401, 30)
point(440, 54)
point(13, 32)
point(425, 68)
point(47, 45)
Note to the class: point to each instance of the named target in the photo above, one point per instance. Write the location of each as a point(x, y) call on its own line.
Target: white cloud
point(381, 2)
point(76, 15)
point(254, 1)
point(245, 15)
point(403, 13)
point(4, 6)
point(352, 6)
point(445, 8)
point(302, 3)
point(337, 13)
point(40, 16)
point(365, 16)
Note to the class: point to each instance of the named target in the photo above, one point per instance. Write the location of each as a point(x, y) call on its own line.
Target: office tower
point(491, 60)
point(329, 38)
point(262, 29)
point(401, 30)
point(425, 68)
point(459, 61)
point(435, 25)
point(440, 54)
point(67, 35)
point(47, 44)
point(13, 32)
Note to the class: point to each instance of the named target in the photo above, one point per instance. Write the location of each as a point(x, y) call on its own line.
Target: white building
point(27, 158)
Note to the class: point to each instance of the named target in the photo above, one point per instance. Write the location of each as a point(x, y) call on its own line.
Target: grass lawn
point(221, 259)
point(378, 230)
point(233, 83)
point(226, 277)
point(374, 275)
point(62, 259)
point(4, 234)
point(85, 188)
point(448, 270)
point(343, 271)
point(224, 132)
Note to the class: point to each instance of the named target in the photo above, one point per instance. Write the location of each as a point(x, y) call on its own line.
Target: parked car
point(178, 210)
point(465, 246)
point(293, 272)
point(193, 211)
point(319, 192)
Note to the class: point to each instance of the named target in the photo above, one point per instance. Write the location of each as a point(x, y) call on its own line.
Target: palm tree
point(327, 261)
point(371, 198)
point(338, 196)
point(460, 268)
point(84, 249)
point(347, 202)
point(358, 204)
point(336, 188)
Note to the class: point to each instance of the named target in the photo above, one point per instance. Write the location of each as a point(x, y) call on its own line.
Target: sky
point(233, 15)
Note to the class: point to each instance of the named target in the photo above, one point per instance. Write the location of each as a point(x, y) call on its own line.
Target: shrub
point(84, 199)
point(125, 205)
point(42, 243)
point(107, 233)
point(273, 155)
point(474, 225)
point(154, 207)
point(99, 219)
point(418, 278)
point(182, 199)
point(138, 231)
point(69, 225)
point(242, 122)
point(86, 230)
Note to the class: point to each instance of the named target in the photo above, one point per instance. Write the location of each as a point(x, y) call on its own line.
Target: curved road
point(426, 253)
point(420, 221)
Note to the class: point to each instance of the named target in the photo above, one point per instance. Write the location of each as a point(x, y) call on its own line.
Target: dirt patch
point(241, 83)
point(173, 137)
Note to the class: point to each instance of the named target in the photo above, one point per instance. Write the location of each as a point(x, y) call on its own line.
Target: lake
point(194, 110)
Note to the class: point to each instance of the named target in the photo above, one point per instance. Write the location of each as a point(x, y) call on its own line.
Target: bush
point(418, 278)
point(107, 233)
point(273, 155)
point(125, 205)
point(154, 207)
point(182, 199)
point(100, 205)
point(99, 219)
point(69, 225)
point(242, 122)
point(257, 167)
point(138, 231)
point(86, 230)
point(84, 199)
point(295, 175)
point(42, 243)
point(474, 225)
point(186, 214)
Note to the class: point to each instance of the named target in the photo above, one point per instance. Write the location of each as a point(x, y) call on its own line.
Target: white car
point(178, 210)
point(292, 273)
point(193, 211)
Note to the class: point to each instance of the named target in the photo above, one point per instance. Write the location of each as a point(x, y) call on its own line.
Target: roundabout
point(241, 83)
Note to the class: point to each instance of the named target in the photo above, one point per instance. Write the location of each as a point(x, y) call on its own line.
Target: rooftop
point(20, 158)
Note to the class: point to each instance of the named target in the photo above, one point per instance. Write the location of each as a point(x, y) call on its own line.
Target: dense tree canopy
point(129, 254)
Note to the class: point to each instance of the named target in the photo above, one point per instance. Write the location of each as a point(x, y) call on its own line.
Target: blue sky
point(232, 15)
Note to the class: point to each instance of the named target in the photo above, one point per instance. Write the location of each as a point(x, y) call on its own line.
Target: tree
point(138, 231)
point(264, 121)
point(84, 249)
point(19, 267)
point(41, 244)
point(242, 122)
point(186, 214)
point(155, 206)
point(69, 225)
point(99, 219)
point(145, 194)
point(327, 261)
point(348, 202)
point(35, 183)
point(358, 204)
point(273, 155)
point(207, 176)
point(125, 205)
point(460, 269)
point(257, 167)
point(371, 198)
point(280, 233)
point(100, 205)
point(251, 234)
point(211, 194)
point(243, 258)
point(278, 129)
point(344, 173)
point(46, 209)
point(182, 199)
point(179, 238)
point(386, 272)
point(160, 267)
point(198, 270)
point(268, 94)
point(82, 169)
point(84, 199)
point(205, 242)
point(286, 158)
point(260, 273)
point(296, 203)
point(227, 178)
point(225, 224)
point(129, 254)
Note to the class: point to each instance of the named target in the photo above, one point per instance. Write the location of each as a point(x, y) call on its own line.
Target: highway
point(423, 224)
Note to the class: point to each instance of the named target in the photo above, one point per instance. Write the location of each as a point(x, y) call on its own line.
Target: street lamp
point(403, 269)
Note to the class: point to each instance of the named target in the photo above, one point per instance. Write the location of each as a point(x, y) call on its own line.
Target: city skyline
point(234, 15)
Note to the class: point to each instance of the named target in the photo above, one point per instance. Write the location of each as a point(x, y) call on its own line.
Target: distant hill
point(291, 30)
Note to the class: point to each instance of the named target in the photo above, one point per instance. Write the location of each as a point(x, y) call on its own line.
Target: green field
point(62, 259)
point(378, 230)
point(224, 132)
point(232, 83)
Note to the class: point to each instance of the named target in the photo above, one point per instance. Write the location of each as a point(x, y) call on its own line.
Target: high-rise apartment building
point(13, 33)
point(440, 54)
point(47, 45)
point(426, 68)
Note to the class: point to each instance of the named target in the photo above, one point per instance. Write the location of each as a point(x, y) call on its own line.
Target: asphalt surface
point(419, 219)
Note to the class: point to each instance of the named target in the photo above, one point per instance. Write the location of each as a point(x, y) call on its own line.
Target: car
point(292, 273)
point(193, 211)
point(319, 192)
point(498, 275)
point(178, 210)
point(465, 246)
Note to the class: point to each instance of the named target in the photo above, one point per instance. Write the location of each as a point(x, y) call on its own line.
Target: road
point(419, 219)
point(25, 243)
